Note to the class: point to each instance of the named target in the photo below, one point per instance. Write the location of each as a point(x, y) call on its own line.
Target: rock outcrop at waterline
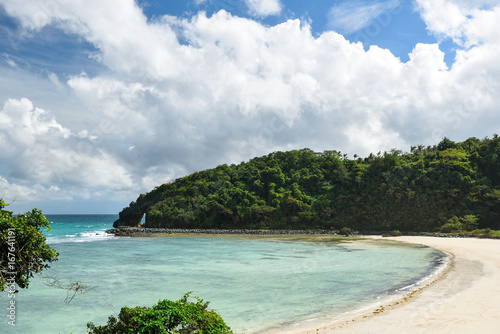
point(132, 215)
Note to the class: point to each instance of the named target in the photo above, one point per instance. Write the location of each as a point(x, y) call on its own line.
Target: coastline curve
point(465, 299)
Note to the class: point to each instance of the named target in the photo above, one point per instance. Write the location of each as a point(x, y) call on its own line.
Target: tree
point(24, 250)
point(446, 143)
point(303, 189)
point(176, 317)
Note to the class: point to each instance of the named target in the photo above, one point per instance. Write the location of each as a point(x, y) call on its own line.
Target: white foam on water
point(81, 237)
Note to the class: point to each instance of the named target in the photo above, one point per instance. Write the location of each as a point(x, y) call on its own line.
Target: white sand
point(465, 300)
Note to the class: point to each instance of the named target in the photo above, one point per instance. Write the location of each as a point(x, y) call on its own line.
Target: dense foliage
point(175, 317)
point(449, 186)
point(24, 250)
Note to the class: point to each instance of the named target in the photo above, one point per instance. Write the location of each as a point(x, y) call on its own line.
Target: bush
point(346, 231)
point(447, 228)
point(175, 317)
point(462, 224)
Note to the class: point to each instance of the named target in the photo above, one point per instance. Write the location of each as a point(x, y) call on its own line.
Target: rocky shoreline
point(126, 231)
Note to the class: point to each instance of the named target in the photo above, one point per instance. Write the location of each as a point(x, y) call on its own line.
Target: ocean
point(254, 283)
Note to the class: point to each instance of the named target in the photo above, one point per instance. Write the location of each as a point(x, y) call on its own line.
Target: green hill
point(451, 186)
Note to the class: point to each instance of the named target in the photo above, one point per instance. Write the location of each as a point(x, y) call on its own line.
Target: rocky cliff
point(133, 214)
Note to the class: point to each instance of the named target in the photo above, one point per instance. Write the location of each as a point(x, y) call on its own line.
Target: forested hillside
point(448, 187)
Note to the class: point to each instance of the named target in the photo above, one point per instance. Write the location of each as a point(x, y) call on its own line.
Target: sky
point(101, 101)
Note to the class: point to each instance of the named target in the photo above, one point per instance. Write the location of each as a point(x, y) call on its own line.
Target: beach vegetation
point(451, 186)
point(466, 223)
point(393, 233)
point(482, 233)
point(345, 231)
point(175, 317)
point(24, 250)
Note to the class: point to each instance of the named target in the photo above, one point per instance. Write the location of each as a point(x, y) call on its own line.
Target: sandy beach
point(465, 299)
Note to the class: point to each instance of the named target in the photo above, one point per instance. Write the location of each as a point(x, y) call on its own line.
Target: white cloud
point(155, 176)
point(232, 90)
point(137, 47)
point(351, 16)
point(264, 8)
point(22, 124)
point(9, 61)
point(38, 151)
point(55, 80)
point(468, 23)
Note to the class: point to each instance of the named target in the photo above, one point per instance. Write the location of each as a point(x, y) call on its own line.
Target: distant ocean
point(253, 283)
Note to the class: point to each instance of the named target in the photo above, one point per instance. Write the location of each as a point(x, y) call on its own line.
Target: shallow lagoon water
point(254, 283)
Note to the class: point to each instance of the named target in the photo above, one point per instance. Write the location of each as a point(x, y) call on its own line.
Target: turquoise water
point(253, 283)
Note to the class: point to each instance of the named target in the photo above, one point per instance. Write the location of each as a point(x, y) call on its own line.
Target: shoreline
point(154, 232)
point(396, 298)
point(464, 298)
point(158, 232)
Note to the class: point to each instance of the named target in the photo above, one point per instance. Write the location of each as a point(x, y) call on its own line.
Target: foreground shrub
point(176, 317)
point(345, 231)
point(23, 248)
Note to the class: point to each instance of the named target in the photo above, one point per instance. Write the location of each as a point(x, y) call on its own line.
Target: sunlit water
point(253, 283)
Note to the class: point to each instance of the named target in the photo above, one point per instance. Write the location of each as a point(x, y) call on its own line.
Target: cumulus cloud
point(233, 89)
point(468, 23)
point(37, 150)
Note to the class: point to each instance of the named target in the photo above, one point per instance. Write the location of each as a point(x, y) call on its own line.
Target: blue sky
point(103, 100)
